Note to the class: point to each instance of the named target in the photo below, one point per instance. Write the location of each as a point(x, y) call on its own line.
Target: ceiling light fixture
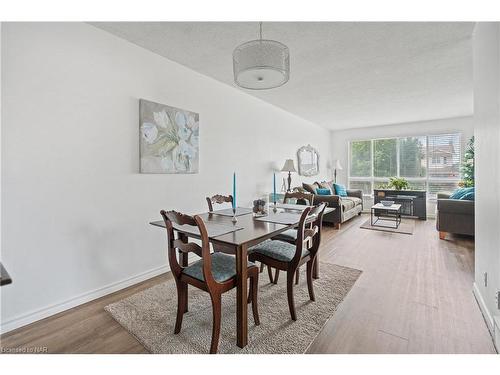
point(261, 64)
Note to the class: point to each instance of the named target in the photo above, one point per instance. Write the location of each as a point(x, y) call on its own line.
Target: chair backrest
point(180, 244)
point(218, 199)
point(308, 197)
point(309, 237)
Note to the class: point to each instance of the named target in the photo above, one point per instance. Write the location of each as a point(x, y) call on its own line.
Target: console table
point(413, 202)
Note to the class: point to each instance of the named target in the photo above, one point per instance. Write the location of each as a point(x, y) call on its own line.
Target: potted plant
point(398, 183)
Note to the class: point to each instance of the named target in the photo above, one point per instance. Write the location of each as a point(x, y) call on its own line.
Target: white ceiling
point(343, 75)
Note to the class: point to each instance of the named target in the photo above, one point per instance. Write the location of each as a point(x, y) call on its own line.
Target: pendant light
point(261, 64)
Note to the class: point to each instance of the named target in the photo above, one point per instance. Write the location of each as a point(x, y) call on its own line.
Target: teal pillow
point(468, 196)
point(340, 190)
point(321, 191)
point(459, 193)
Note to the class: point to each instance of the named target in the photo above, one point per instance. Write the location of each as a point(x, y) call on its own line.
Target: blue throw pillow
point(321, 191)
point(468, 196)
point(340, 190)
point(459, 193)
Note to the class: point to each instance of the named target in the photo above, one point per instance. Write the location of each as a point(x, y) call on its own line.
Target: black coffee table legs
point(377, 214)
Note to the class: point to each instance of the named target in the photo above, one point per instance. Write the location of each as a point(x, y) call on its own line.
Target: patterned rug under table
point(150, 315)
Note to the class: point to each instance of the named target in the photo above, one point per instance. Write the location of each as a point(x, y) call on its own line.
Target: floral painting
point(169, 139)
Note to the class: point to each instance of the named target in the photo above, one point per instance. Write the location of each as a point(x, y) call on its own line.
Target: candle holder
point(274, 206)
point(234, 220)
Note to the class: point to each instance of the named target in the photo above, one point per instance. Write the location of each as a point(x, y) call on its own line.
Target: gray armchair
point(345, 207)
point(454, 216)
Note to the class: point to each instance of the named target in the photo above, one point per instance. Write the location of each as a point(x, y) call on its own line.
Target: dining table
point(248, 231)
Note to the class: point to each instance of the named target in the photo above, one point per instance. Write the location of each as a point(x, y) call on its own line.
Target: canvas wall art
point(169, 139)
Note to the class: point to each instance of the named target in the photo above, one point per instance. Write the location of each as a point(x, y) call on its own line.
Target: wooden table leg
point(241, 297)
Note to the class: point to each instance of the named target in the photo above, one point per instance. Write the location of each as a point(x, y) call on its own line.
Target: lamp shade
point(288, 167)
point(338, 165)
point(261, 64)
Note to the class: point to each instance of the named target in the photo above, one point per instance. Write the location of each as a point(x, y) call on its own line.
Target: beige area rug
point(407, 226)
point(150, 315)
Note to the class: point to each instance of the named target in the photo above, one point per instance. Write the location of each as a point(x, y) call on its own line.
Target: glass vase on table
point(261, 206)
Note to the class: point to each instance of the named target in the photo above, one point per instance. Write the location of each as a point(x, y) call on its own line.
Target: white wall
point(341, 138)
point(1, 141)
point(487, 165)
point(75, 209)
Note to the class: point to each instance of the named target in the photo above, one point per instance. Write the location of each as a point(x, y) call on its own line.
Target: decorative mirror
point(308, 159)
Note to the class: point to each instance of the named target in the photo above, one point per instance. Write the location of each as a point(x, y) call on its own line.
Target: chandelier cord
point(260, 28)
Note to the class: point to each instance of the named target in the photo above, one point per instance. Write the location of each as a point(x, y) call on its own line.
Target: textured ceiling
point(343, 75)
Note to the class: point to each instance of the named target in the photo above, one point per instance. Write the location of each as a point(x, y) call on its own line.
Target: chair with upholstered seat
point(290, 235)
point(214, 273)
point(220, 199)
point(287, 257)
point(302, 198)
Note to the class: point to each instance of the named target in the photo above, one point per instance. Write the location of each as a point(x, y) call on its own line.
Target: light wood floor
point(414, 296)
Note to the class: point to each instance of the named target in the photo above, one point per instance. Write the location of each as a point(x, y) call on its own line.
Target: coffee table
point(386, 213)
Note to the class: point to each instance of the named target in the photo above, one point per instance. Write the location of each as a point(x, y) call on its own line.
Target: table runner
point(281, 218)
point(229, 211)
point(289, 206)
point(213, 229)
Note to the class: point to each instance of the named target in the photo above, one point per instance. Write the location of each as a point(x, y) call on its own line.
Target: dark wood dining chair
point(214, 273)
point(287, 257)
point(301, 197)
point(218, 199)
point(290, 235)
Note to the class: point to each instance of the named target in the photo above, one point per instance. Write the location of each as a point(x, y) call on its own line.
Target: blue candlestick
point(234, 191)
point(274, 187)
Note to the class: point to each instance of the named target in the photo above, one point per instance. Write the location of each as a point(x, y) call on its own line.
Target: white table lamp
point(289, 167)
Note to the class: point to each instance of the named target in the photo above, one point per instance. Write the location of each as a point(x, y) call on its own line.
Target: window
point(361, 159)
point(385, 158)
point(360, 166)
point(440, 186)
point(430, 163)
point(444, 150)
point(412, 157)
point(365, 186)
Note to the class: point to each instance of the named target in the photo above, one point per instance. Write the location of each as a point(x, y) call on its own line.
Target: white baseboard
point(45, 312)
point(482, 305)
